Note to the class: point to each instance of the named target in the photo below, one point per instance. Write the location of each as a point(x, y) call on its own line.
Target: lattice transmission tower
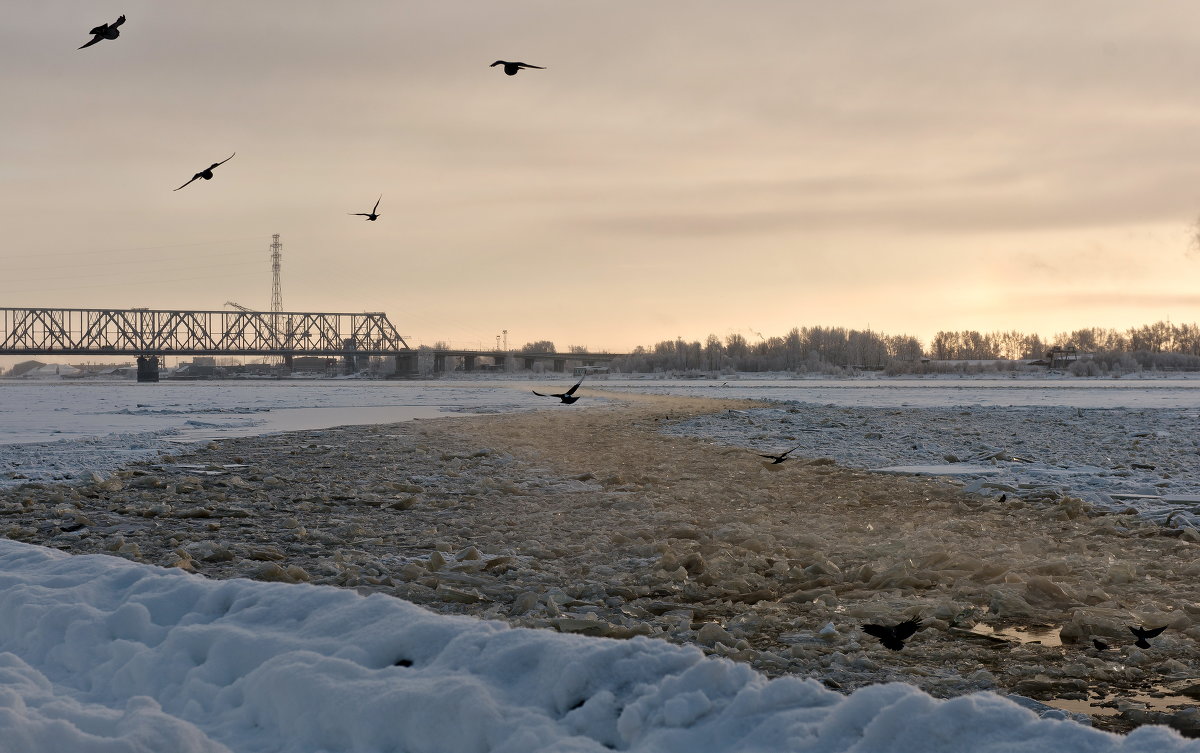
point(276, 290)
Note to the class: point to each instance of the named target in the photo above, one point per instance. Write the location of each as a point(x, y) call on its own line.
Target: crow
point(512, 68)
point(207, 173)
point(779, 458)
point(1143, 635)
point(567, 397)
point(1099, 644)
point(105, 31)
point(894, 637)
point(371, 216)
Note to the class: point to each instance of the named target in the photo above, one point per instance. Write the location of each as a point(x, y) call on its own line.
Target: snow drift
point(101, 654)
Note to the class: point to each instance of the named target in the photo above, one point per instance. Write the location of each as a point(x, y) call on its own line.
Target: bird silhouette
point(779, 458)
point(894, 637)
point(105, 31)
point(207, 173)
point(512, 68)
point(1143, 635)
point(567, 397)
point(371, 215)
point(1099, 644)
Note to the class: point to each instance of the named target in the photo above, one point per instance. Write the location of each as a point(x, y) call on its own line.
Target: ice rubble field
point(101, 654)
point(1115, 444)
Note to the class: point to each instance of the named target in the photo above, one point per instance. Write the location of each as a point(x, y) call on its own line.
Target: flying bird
point(207, 173)
point(1143, 635)
point(1099, 644)
point(894, 637)
point(105, 31)
point(567, 397)
point(371, 215)
point(512, 68)
point(779, 458)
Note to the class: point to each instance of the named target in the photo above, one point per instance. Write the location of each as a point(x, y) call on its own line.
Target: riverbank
point(593, 521)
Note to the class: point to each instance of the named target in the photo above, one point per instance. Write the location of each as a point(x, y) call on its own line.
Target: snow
point(100, 654)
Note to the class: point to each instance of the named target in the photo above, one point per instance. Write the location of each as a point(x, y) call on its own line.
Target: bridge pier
point(560, 365)
point(406, 364)
point(439, 363)
point(147, 368)
point(529, 362)
point(468, 363)
point(500, 361)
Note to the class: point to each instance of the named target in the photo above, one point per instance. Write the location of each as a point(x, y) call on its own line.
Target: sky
point(680, 168)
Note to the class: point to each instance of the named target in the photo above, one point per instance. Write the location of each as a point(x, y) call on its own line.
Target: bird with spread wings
point(208, 172)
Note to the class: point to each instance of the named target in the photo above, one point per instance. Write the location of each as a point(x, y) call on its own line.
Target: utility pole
point(505, 338)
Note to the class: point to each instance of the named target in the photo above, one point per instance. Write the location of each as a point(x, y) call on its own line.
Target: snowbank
point(101, 654)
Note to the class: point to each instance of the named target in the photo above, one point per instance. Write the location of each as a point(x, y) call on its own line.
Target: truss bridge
point(149, 334)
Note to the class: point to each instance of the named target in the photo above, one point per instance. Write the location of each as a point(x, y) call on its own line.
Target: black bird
point(512, 68)
point(207, 173)
point(1003, 498)
point(568, 397)
point(105, 31)
point(894, 637)
point(1100, 645)
point(1143, 635)
point(371, 216)
point(779, 458)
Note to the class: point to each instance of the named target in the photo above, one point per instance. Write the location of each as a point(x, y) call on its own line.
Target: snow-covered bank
point(100, 654)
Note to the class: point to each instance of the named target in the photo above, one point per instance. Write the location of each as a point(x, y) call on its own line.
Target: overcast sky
point(680, 168)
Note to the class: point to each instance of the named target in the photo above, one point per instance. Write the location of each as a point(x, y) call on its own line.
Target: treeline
point(801, 349)
point(836, 349)
point(1160, 337)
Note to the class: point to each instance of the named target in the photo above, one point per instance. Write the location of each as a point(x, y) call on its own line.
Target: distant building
point(23, 368)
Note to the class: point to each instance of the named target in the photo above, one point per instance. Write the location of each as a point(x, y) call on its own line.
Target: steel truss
point(197, 333)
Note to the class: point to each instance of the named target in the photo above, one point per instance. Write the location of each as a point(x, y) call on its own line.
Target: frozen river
point(1119, 442)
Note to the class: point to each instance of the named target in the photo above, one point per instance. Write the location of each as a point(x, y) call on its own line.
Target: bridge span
point(150, 334)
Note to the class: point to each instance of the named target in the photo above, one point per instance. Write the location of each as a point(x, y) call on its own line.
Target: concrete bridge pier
point(529, 362)
point(147, 368)
point(560, 365)
point(439, 363)
point(501, 361)
point(468, 363)
point(406, 364)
